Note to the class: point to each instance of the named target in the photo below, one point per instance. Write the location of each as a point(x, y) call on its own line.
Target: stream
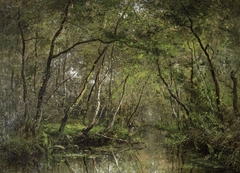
point(151, 157)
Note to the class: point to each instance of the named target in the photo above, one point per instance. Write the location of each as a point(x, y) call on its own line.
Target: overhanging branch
point(81, 42)
point(170, 91)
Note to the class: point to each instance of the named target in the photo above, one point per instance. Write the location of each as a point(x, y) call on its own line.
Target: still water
point(151, 157)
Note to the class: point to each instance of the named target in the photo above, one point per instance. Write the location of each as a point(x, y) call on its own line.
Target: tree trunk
point(119, 105)
point(235, 94)
point(209, 59)
point(23, 76)
point(80, 96)
point(41, 93)
point(90, 126)
point(138, 103)
point(170, 91)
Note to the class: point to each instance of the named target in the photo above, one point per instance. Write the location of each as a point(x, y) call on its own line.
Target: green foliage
point(176, 139)
point(136, 34)
point(70, 129)
point(47, 148)
point(18, 149)
point(121, 132)
point(97, 129)
point(165, 126)
point(210, 149)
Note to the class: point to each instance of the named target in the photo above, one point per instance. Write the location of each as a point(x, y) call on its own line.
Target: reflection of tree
point(105, 64)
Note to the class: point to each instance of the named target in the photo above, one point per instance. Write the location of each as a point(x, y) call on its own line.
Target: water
point(151, 157)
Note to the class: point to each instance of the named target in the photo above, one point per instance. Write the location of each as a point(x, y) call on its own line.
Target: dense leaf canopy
point(115, 62)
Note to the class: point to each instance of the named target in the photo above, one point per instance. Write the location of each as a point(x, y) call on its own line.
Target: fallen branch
point(115, 139)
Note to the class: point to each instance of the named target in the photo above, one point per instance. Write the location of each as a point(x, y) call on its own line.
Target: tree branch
point(209, 59)
point(81, 42)
point(138, 103)
point(47, 74)
point(58, 87)
point(119, 104)
point(80, 95)
point(170, 91)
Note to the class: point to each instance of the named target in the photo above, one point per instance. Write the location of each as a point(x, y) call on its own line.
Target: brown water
point(150, 157)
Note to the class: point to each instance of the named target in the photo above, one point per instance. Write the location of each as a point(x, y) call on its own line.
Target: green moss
point(97, 129)
point(50, 128)
point(70, 129)
point(73, 129)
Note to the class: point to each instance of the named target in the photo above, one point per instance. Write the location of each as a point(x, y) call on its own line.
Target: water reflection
point(155, 158)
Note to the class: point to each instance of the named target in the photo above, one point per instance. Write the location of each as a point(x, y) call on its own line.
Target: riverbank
point(216, 143)
point(146, 149)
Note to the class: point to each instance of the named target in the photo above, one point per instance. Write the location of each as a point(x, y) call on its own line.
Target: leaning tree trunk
point(129, 121)
point(170, 91)
point(81, 94)
point(211, 66)
point(201, 76)
point(98, 83)
point(119, 105)
point(51, 57)
point(41, 93)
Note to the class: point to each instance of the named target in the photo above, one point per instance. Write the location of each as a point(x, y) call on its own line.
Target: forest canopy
point(113, 63)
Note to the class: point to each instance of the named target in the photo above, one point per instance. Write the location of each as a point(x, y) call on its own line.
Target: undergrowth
point(218, 142)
